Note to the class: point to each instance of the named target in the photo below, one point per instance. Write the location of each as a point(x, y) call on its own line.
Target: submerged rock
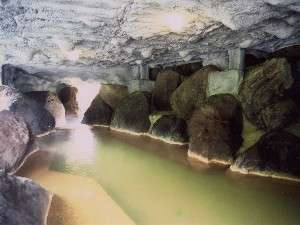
point(132, 114)
point(15, 139)
point(263, 95)
point(191, 93)
point(67, 96)
point(165, 84)
point(51, 102)
point(112, 94)
point(99, 113)
point(37, 117)
point(22, 202)
point(170, 128)
point(215, 130)
point(275, 154)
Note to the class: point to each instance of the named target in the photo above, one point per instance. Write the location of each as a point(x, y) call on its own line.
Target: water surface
point(155, 184)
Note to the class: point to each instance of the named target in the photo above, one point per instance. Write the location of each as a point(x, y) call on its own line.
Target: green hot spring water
point(155, 183)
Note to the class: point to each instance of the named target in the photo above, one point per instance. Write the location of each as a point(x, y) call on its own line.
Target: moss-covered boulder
point(191, 93)
point(263, 95)
point(99, 113)
point(132, 114)
point(165, 85)
point(275, 154)
point(215, 130)
point(50, 102)
point(112, 94)
point(170, 128)
point(67, 95)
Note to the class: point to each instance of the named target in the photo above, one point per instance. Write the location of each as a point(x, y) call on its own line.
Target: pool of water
point(155, 184)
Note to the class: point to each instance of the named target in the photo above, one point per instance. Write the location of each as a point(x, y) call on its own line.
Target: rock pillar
point(228, 82)
point(143, 83)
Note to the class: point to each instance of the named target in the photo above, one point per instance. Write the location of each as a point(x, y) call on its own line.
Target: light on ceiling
point(176, 21)
point(73, 55)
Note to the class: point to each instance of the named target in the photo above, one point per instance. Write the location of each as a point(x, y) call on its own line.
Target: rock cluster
point(179, 111)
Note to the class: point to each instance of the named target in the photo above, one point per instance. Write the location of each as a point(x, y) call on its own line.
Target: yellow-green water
point(155, 184)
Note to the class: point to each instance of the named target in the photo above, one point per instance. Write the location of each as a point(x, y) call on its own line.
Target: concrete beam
point(236, 59)
point(227, 82)
point(140, 85)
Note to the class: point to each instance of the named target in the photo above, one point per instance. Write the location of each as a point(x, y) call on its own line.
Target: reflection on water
point(156, 185)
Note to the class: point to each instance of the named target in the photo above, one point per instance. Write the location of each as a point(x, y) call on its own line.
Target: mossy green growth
point(251, 135)
point(154, 117)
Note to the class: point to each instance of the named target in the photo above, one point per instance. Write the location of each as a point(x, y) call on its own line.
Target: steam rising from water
point(87, 91)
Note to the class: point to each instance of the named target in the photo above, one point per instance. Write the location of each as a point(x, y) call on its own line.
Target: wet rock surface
point(15, 139)
point(50, 102)
point(132, 113)
point(112, 94)
point(165, 84)
point(171, 129)
point(67, 96)
point(275, 154)
point(191, 93)
point(37, 118)
point(264, 97)
point(22, 201)
point(99, 113)
point(215, 130)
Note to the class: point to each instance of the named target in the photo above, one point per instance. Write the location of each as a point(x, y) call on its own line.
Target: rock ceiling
point(85, 33)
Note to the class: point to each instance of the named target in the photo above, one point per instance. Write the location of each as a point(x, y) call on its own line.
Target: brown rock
point(263, 95)
point(67, 96)
point(165, 85)
point(215, 129)
point(191, 93)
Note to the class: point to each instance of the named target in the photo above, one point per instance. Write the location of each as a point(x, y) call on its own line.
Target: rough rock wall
point(86, 35)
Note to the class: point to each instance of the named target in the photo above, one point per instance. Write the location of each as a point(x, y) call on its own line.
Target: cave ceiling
point(85, 33)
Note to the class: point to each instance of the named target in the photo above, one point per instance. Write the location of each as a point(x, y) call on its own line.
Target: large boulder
point(67, 95)
point(132, 114)
point(22, 201)
point(165, 85)
point(51, 102)
point(171, 129)
point(99, 113)
point(8, 96)
point(37, 117)
point(263, 95)
point(191, 93)
point(112, 94)
point(15, 139)
point(215, 130)
point(275, 154)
